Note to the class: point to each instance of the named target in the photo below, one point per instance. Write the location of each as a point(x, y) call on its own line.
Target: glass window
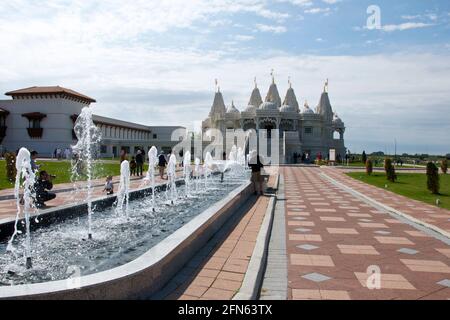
point(308, 130)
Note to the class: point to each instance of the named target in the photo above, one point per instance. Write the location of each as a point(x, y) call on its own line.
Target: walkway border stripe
point(387, 208)
point(255, 271)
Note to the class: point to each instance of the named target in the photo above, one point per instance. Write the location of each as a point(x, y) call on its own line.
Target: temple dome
point(307, 109)
point(288, 108)
point(337, 122)
point(232, 109)
point(268, 106)
point(250, 108)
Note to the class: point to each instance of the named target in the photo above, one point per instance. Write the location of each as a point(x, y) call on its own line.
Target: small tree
point(444, 166)
point(369, 167)
point(432, 178)
point(390, 170)
point(364, 157)
point(10, 166)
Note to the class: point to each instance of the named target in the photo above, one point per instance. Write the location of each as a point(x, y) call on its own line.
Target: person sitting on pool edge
point(42, 187)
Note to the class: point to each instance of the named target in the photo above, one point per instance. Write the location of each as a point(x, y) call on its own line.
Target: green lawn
point(62, 170)
point(361, 164)
point(411, 185)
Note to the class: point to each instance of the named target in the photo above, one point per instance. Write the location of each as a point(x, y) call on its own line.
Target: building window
point(34, 124)
point(155, 136)
point(3, 115)
point(103, 149)
point(308, 130)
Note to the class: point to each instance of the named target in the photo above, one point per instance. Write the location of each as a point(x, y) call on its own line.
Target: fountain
point(187, 172)
point(24, 171)
point(207, 168)
point(152, 162)
point(171, 190)
point(88, 137)
point(197, 173)
point(124, 188)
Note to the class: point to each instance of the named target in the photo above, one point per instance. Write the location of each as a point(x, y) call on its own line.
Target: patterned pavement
point(335, 241)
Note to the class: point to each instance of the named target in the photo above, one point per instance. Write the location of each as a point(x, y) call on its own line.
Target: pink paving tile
point(342, 231)
point(301, 223)
point(393, 240)
point(426, 265)
point(311, 260)
point(358, 249)
point(305, 237)
point(373, 225)
point(332, 219)
point(387, 281)
point(415, 233)
point(445, 252)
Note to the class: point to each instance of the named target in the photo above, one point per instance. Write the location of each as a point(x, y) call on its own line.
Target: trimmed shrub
point(390, 170)
point(369, 167)
point(10, 166)
point(432, 178)
point(444, 166)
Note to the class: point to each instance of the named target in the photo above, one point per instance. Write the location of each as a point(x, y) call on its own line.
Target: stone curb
point(255, 271)
point(389, 209)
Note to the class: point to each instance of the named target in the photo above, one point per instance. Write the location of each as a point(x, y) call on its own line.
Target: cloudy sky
point(154, 61)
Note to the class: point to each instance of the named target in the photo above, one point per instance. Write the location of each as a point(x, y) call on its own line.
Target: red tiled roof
point(49, 90)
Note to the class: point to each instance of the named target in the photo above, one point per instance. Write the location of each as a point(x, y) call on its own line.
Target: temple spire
point(273, 76)
point(256, 84)
point(289, 82)
point(325, 87)
point(217, 85)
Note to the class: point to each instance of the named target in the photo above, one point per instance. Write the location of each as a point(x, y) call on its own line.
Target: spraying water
point(171, 190)
point(24, 172)
point(152, 162)
point(197, 173)
point(187, 172)
point(88, 138)
point(124, 188)
point(207, 168)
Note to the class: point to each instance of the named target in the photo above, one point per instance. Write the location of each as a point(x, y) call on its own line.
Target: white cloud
point(241, 37)
point(405, 26)
point(318, 10)
point(271, 28)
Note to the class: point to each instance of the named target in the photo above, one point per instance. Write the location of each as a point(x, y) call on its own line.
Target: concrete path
point(340, 247)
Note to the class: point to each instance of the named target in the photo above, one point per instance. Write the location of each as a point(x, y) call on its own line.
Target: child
point(133, 166)
point(109, 187)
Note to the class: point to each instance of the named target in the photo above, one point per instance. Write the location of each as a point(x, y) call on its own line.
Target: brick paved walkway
point(334, 237)
point(218, 270)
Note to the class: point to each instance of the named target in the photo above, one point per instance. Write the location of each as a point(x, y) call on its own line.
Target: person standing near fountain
point(139, 163)
point(256, 165)
point(34, 166)
point(162, 162)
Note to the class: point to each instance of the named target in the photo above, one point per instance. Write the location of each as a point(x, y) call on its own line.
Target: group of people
point(44, 184)
point(60, 153)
